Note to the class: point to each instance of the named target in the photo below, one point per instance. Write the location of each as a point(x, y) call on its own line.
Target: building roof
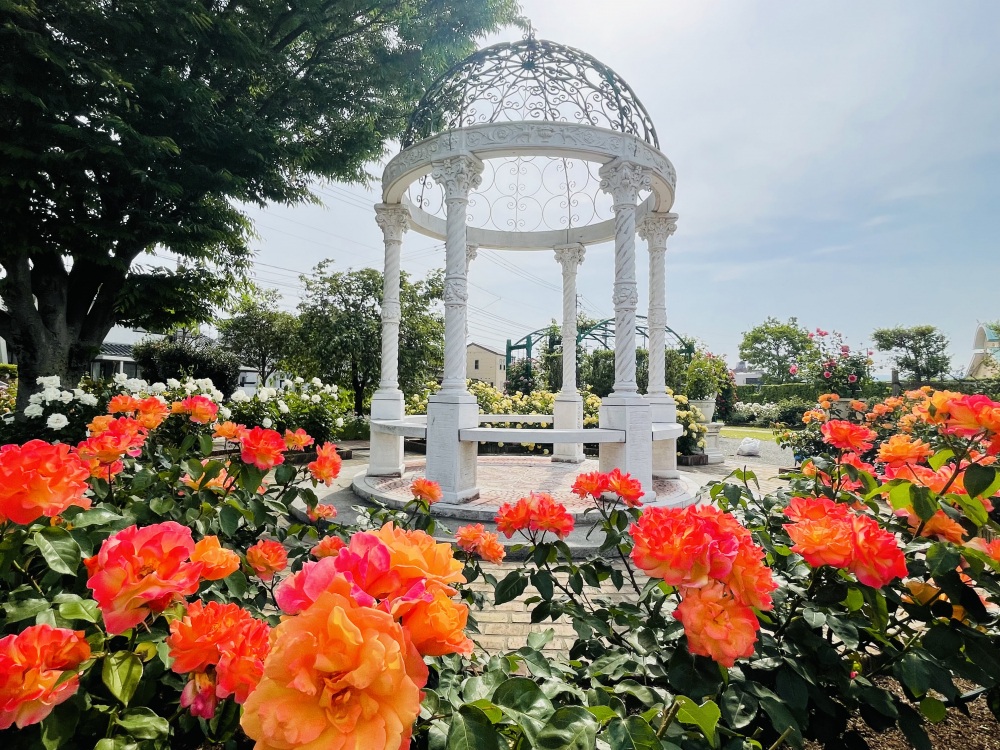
point(116, 350)
point(489, 349)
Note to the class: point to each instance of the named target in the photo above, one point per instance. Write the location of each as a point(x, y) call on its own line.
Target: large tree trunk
point(56, 319)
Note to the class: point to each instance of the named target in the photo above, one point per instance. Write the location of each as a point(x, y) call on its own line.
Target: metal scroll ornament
point(532, 79)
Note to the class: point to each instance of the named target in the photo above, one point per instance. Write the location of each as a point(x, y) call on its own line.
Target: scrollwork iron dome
point(532, 79)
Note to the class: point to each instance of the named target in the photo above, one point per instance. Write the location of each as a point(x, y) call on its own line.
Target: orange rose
point(99, 424)
point(33, 665)
point(476, 539)
point(217, 561)
point(416, 556)
point(40, 479)
point(267, 557)
point(877, 556)
point(685, 546)
point(326, 512)
point(326, 467)
point(229, 431)
point(263, 448)
point(513, 518)
point(328, 546)
point(750, 580)
point(537, 512)
point(340, 676)
point(223, 648)
point(123, 404)
point(221, 481)
point(152, 412)
point(426, 490)
point(815, 509)
point(122, 436)
point(848, 436)
point(823, 541)
point(940, 526)
point(139, 571)
point(593, 484)
point(716, 625)
point(437, 627)
point(627, 488)
point(900, 450)
point(200, 409)
point(297, 440)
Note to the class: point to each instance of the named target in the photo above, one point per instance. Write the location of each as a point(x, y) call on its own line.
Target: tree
point(920, 351)
point(257, 332)
point(133, 127)
point(188, 356)
point(340, 330)
point(775, 348)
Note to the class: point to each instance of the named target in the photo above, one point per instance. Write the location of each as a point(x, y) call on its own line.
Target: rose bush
point(157, 594)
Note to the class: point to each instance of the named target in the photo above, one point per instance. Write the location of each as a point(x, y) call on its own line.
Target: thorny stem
point(781, 740)
point(668, 716)
point(29, 577)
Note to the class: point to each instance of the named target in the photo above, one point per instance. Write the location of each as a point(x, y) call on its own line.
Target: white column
point(471, 251)
point(624, 180)
point(568, 408)
point(458, 175)
point(387, 402)
point(624, 409)
point(656, 230)
point(450, 461)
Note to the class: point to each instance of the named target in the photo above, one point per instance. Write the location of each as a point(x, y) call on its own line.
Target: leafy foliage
point(198, 357)
point(774, 348)
point(258, 332)
point(920, 351)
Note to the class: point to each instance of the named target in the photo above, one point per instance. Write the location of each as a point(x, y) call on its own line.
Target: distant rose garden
point(160, 591)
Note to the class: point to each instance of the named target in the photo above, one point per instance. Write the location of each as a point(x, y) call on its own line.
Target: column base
point(712, 448)
point(386, 450)
point(450, 462)
point(567, 413)
point(632, 414)
point(663, 406)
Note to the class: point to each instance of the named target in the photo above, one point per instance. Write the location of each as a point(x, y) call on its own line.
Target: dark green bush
point(198, 358)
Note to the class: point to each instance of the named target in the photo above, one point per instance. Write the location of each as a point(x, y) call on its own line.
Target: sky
point(837, 162)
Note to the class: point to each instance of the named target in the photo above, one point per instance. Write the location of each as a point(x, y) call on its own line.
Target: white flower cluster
point(53, 393)
point(763, 413)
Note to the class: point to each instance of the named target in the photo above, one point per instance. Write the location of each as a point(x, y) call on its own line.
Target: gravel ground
point(770, 453)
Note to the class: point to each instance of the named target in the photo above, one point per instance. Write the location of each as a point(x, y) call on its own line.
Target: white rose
point(51, 394)
point(135, 384)
point(218, 395)
point(316, 382)
point(120, 378)
point(239, 397)
point(66, 397)
point(266, 423)
point(263, 395)
point(157, 388)
point(34, 410)
point(56, 421)
point(300, 381)
point(283, 407)
point(35, 398)
point(48, 381)
point(205, 384)
point(189, 389)
point(339, 422)
point(173, 383)
point(224, 412)
point(88, 399)
point(315, 398)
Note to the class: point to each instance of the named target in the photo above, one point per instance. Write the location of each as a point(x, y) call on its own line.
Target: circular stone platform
point(505, 479)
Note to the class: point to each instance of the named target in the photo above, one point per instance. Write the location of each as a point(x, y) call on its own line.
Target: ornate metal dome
point(531, 79)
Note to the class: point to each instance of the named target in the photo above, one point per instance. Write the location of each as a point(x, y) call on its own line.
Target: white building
point(745, 376)
point(485, 364)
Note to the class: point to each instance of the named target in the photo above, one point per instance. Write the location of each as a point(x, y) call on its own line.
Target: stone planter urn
point(706, 406)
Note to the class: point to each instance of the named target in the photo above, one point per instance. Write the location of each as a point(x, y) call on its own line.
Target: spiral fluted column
point(624, 180)
point(569, 257)
point(458, 176)
point(656, 229)
point(394, 221)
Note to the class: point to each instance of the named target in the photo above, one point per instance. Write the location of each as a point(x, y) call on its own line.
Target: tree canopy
point(920, 352)
point(258, 332)
point(773, 347)
point(340, 330)
point(133, 127)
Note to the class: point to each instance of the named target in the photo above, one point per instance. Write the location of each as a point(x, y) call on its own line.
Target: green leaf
point(978, 479)
point(933, 709)
point(94, 517)
point(60, 550)
point(229, 520)
point(705, 717)
point(471, 729)
point(633, 733)
point(973, 508)
point(912, 726)
point(511, 587)
point(525, 703)
point(59, 726)
point(569, 728)
point(24, 610)
point(161, 505)
point(781, 718)
point(738, 706)
point(924, 505)
point(121, 672)
point(603, 714)
point(205, 444)
point(942, 558)
point(899, 496)
point(855, 599)
point(542, 580)
point(143, 724)
point(284, 474)
point(937, 460)
point(81, 610)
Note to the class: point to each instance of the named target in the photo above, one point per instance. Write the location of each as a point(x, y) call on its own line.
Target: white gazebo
point(530, 146)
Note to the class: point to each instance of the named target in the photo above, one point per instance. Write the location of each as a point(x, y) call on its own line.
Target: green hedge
point(760, 394)
point(8, 372)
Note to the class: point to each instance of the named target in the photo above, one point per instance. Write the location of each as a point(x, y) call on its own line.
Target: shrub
point(761, 415)
point(200, 358)
point(318, 408)
point(706, 376)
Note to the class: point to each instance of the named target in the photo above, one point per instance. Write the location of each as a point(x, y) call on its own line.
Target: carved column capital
point(570, 256)
point(656, 229)
point(624, 180)
point(455, 292)
point(471, 252)
point(393, 219)
point(458, 175)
